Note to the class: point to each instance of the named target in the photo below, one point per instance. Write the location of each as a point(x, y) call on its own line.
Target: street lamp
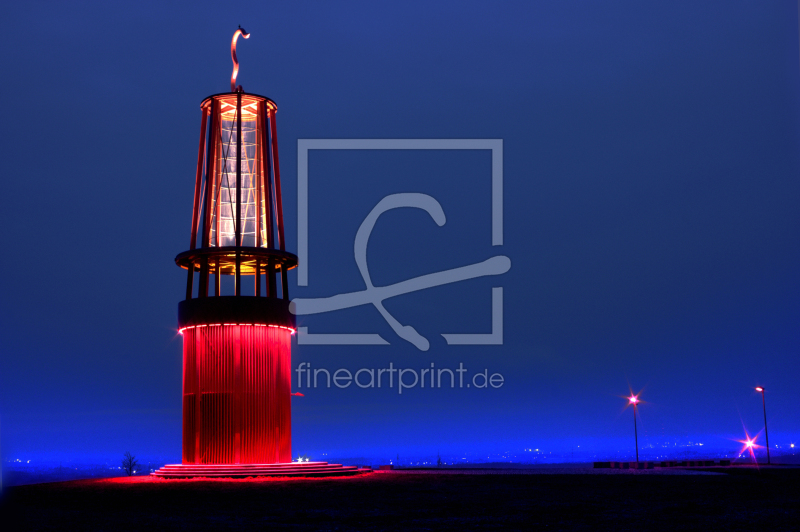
point(764, 403)
point(634, 400)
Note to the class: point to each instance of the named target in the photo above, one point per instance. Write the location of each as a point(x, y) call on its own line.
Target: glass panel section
point(223, 221)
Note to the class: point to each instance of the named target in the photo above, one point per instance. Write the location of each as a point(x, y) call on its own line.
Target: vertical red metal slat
point(237, 394)
point(269, 182)
point(273, 411)
point(199, 178)
point(198, 394)
point(257, 173)
point(278, 202)
point(243, 394)
point(223, 441)
point(187, 429)
point(283, 396)
point(197, 194)
point(273, 424)
point(277, 172)
point(249, 425)
point(209, 187)
point(287, 398)
point(238, 225)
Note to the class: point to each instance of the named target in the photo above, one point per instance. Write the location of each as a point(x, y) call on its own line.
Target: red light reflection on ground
point(146, 479)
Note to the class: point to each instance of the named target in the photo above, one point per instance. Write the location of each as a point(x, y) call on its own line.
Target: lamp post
point(634, 400)
point(764, 404)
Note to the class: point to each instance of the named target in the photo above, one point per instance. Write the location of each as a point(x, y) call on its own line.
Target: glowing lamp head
point(749, 443)
point(759, 389)
point(633, 399)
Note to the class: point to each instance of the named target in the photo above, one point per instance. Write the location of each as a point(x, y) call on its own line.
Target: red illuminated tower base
point(237, 418)
point(236, 392)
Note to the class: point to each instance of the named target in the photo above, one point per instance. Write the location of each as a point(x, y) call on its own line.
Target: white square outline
point(304, 145)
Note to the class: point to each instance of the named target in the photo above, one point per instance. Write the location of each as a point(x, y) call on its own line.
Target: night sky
point(650, 159)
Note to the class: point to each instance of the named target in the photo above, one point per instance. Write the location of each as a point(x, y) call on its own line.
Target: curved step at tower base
point(290, 469)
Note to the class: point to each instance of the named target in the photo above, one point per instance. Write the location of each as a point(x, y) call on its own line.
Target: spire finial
point(241, 31)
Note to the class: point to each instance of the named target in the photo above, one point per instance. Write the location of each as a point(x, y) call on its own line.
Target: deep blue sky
point(651, 185)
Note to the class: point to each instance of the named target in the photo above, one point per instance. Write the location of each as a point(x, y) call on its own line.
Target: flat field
point(575, 499)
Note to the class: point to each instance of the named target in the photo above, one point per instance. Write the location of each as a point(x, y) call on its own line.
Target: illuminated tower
point(235, 321)
point(237, 335)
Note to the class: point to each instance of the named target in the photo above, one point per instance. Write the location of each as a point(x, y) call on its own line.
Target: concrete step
point(252, 470)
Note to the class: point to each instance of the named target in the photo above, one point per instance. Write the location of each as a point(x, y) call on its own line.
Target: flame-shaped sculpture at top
point(241, 31)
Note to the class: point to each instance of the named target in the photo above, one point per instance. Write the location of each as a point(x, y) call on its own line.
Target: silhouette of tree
point(129, 463)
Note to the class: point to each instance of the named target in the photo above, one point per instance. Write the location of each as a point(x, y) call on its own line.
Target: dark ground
point(740, 498)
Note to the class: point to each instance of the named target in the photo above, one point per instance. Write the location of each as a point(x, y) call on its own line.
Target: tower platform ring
point(248, 99)
point(225, 257)
point(235, 310)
